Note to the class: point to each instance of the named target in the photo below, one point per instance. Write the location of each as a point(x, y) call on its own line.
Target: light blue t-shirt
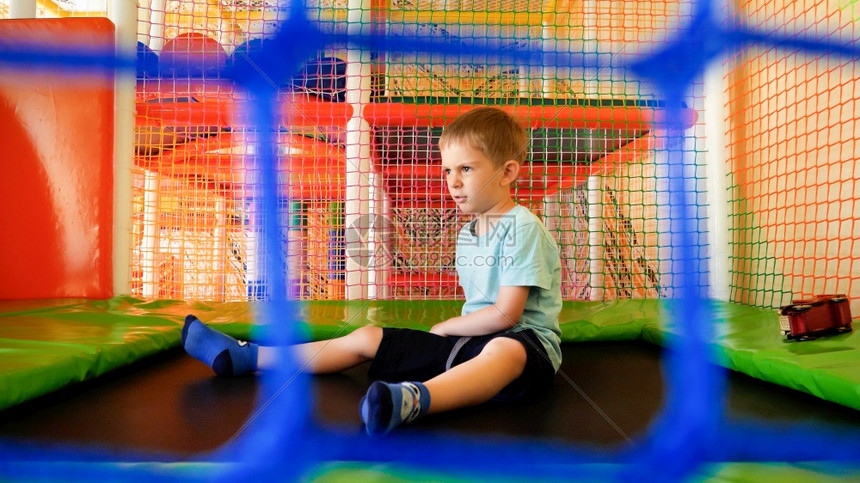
point(517, 251)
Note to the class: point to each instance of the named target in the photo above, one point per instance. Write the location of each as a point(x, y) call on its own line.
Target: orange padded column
point(56, 180)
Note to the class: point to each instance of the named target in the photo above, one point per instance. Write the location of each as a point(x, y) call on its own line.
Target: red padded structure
point(192, 54)
point(56, 165)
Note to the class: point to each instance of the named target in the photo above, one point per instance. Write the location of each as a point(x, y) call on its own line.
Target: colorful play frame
point(61, 321)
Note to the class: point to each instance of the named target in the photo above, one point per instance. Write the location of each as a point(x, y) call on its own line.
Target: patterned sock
point(386, 406)
point(224, 354)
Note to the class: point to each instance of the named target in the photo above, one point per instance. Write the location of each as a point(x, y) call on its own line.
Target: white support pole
point(219, 250)
point(715, 115)
point(144, 17)
point(156, 24)
point(149, 237)
point(548, 74)
point(380, 239)
point(594, 188)
point(665, 249)
point(359, 191)
point(595, 237)
point(124, 16)
point(22, 9)
point(553, 40)
point(590, 45)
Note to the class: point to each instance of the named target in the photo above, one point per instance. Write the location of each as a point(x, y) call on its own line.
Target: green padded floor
point(47, 344)
point(358, 472)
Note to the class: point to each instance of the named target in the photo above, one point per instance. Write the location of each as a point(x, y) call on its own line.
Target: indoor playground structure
point(271, 167)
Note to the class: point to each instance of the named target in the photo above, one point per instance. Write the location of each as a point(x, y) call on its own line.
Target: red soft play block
point(812, 318)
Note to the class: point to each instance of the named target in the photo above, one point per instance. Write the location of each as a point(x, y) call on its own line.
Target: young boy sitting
point(504, 346)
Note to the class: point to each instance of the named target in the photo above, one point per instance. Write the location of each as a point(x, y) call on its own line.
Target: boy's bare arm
point(507, 310)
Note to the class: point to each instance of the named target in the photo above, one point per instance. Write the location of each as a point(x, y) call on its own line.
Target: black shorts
point(415, 355)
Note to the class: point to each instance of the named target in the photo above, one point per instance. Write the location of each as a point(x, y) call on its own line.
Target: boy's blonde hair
point(490, 130)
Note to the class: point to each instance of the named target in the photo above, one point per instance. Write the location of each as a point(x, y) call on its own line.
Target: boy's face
point(474, 182)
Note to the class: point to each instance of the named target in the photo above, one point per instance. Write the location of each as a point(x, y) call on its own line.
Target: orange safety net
point(793, 129)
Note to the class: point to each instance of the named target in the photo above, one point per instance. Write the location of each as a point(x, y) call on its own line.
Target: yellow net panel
point(593, 171)
point(195, 236)
point(791, 125)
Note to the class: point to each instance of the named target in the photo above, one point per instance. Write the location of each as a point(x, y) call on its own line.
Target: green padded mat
point(360, 472)
point(47, 344)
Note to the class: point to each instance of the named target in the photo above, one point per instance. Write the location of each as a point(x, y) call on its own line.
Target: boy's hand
point(502, 315)
point(439, 329)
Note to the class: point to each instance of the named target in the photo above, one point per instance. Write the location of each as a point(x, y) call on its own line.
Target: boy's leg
point(224, 354)
point(330, 356)
point(478, 380)
point(230, 357)
point(475, 381)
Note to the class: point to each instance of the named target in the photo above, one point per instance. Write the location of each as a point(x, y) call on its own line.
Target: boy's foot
point(386, 406)
point(224, 354)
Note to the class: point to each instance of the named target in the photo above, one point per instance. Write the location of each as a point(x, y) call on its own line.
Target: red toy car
point(808, 319)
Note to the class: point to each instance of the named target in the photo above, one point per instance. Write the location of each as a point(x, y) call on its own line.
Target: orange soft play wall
point(793, 139)
point(56, 176)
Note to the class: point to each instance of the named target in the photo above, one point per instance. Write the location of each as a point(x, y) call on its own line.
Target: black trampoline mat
point(606, 395)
